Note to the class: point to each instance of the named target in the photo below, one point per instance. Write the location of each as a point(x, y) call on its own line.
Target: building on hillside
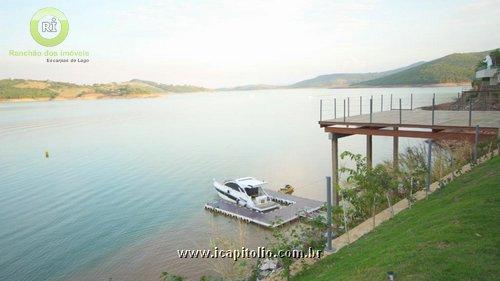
point(488, 76)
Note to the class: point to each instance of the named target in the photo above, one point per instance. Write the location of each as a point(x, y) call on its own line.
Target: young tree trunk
point(411, 190)
point(373, 213)
point(389, 202)
point(409, 200)
point(346, 228)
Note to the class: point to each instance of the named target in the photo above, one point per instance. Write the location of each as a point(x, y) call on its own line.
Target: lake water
point(126, 180)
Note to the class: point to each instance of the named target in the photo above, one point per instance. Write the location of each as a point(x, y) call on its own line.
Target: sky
point(224, 43)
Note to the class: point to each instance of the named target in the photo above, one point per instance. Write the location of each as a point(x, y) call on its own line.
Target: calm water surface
point(126, 180)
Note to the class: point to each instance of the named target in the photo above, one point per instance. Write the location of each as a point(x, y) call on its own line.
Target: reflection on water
point(126, 180)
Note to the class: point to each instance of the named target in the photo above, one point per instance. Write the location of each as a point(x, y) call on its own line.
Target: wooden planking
point(384, 125)
point(273, 218)
point(421, 119)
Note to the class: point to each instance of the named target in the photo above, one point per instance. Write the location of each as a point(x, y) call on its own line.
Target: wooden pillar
point(335, 168)
point(369, 159)
point(395, 151)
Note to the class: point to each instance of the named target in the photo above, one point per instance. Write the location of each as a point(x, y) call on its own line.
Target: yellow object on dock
point(46, 154)
point(288, 189)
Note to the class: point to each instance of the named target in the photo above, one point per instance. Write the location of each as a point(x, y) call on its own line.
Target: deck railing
point(364, 109)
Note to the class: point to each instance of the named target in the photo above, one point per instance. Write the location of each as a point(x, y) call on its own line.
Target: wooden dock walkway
point(293, 208)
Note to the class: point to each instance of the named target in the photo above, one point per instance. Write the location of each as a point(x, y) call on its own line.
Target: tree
point(285, 242)
point(480, 65)
point(367, 179)
point(413, 170)
point(304, 236)
point(388, 183)
point(495, 57)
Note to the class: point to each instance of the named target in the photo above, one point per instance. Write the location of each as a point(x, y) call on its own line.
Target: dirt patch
point(442, 245)
point(491, 173)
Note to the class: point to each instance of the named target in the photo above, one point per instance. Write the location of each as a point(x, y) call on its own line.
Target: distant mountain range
point(337, 80)
point(451, 69)
point(21, 89)
point(456, 68)
point(170, 88)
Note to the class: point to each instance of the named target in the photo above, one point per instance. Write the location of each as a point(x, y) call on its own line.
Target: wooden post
point(335, 167)
point(369, 158)
point(381, 103)
point(411, 101)
point(395, 151)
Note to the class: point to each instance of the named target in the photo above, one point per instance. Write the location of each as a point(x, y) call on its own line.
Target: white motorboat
point(247, 192)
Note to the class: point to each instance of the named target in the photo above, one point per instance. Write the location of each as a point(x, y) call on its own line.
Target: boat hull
point(248, 202)
point(225, 196)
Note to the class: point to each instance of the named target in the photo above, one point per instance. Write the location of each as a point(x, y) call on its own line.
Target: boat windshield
point(252, 191)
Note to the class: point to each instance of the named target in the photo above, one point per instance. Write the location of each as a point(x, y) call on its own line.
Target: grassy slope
point(454, 68)
point(170, 87)
point(454, 235)
point(345, 79)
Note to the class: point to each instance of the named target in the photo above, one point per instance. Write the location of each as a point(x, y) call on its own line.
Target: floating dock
point(292, 208)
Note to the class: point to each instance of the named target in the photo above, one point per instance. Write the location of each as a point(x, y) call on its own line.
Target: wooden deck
point(424, 117)
point(418, 124)
point(297, 206)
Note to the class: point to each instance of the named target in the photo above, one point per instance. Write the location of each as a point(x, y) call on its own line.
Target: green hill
point(454, 235)
point(345, 79)
point(170, 87)
point(37, 89)
point(454, 68)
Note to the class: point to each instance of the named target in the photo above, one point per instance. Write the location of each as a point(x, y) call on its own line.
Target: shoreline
point(157, 95)
point(417, 86)
point(146, 96)
point(353, 87)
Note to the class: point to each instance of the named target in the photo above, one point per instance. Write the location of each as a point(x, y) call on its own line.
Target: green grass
point(454, 235)
point(9, 91)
